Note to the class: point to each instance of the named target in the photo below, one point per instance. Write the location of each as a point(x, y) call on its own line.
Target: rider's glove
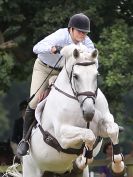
point(58, 49)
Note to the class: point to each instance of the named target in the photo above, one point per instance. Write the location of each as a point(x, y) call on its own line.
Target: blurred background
point(24, 23)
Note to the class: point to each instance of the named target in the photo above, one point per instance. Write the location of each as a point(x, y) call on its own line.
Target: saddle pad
point(39, 109)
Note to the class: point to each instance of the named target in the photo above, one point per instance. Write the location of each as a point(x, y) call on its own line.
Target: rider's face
point(77, 36)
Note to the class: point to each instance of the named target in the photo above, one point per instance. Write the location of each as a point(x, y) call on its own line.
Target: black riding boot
point(23, 146)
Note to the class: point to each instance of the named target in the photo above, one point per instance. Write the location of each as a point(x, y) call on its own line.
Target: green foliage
point(26, 22)
point(6, 66)
point(116, 64)
point(4, 122)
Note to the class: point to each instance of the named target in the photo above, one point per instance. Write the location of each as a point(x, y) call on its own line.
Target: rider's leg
point(40, 72)
point(23, 146)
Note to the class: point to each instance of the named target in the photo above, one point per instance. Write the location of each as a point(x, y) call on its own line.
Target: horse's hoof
point(119, 174)
point(118, 168)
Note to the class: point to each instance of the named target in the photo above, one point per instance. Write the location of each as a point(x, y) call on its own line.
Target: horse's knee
point(89, 138)
point(112, 129)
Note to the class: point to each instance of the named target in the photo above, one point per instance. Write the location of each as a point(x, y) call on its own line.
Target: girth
point(51, 141)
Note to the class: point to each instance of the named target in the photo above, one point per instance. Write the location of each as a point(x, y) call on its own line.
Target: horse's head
point(82, 71)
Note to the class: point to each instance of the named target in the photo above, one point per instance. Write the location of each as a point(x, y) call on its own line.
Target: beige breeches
point(40, 72)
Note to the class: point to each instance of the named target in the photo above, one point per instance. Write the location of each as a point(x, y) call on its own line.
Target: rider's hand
point(53, 50)
point(43, 94)
point(56, 49)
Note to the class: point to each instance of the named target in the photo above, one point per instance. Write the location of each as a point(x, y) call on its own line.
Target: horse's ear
point(76, 53)
point(94, 53)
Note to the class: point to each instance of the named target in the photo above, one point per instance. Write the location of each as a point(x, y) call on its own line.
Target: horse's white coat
point(63, 118)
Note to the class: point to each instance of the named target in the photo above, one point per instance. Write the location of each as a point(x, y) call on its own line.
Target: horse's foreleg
point(108, 128)
point(74, 136)
point(111, 130)
point(117, 160)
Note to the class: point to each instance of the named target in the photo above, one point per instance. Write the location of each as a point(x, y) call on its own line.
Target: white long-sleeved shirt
point(61, 38)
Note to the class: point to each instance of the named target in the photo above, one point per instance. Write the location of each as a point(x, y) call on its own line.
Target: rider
point(47, 56)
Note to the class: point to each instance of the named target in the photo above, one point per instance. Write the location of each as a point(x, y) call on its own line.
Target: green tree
point(4, 122)
point(6, 65)
point(26, 22)
point(116, 65)
point(23, 23)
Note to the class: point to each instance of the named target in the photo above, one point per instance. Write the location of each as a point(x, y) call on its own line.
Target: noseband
point(87, 94)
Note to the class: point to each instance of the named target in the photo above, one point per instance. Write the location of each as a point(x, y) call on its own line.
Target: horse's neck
point(63, 82)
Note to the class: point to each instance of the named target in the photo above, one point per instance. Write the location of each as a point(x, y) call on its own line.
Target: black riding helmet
point(80, 21)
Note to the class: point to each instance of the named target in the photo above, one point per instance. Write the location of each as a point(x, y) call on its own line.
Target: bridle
point(87, 94)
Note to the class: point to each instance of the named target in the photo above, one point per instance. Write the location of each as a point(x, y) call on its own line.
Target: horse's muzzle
point(88, 109)
point(88, 116)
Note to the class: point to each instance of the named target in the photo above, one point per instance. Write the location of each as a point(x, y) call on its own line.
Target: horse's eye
point(75, 76)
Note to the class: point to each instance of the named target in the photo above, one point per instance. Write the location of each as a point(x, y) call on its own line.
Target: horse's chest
point(94, 127)
point(55, 162)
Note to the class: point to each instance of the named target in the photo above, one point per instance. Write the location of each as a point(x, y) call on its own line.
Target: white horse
point(75, 114)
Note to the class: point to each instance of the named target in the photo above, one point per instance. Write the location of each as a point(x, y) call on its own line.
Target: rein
point(88, 94)
point(66, 94)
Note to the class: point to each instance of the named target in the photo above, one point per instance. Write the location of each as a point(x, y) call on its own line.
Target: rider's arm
point(55, 39)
